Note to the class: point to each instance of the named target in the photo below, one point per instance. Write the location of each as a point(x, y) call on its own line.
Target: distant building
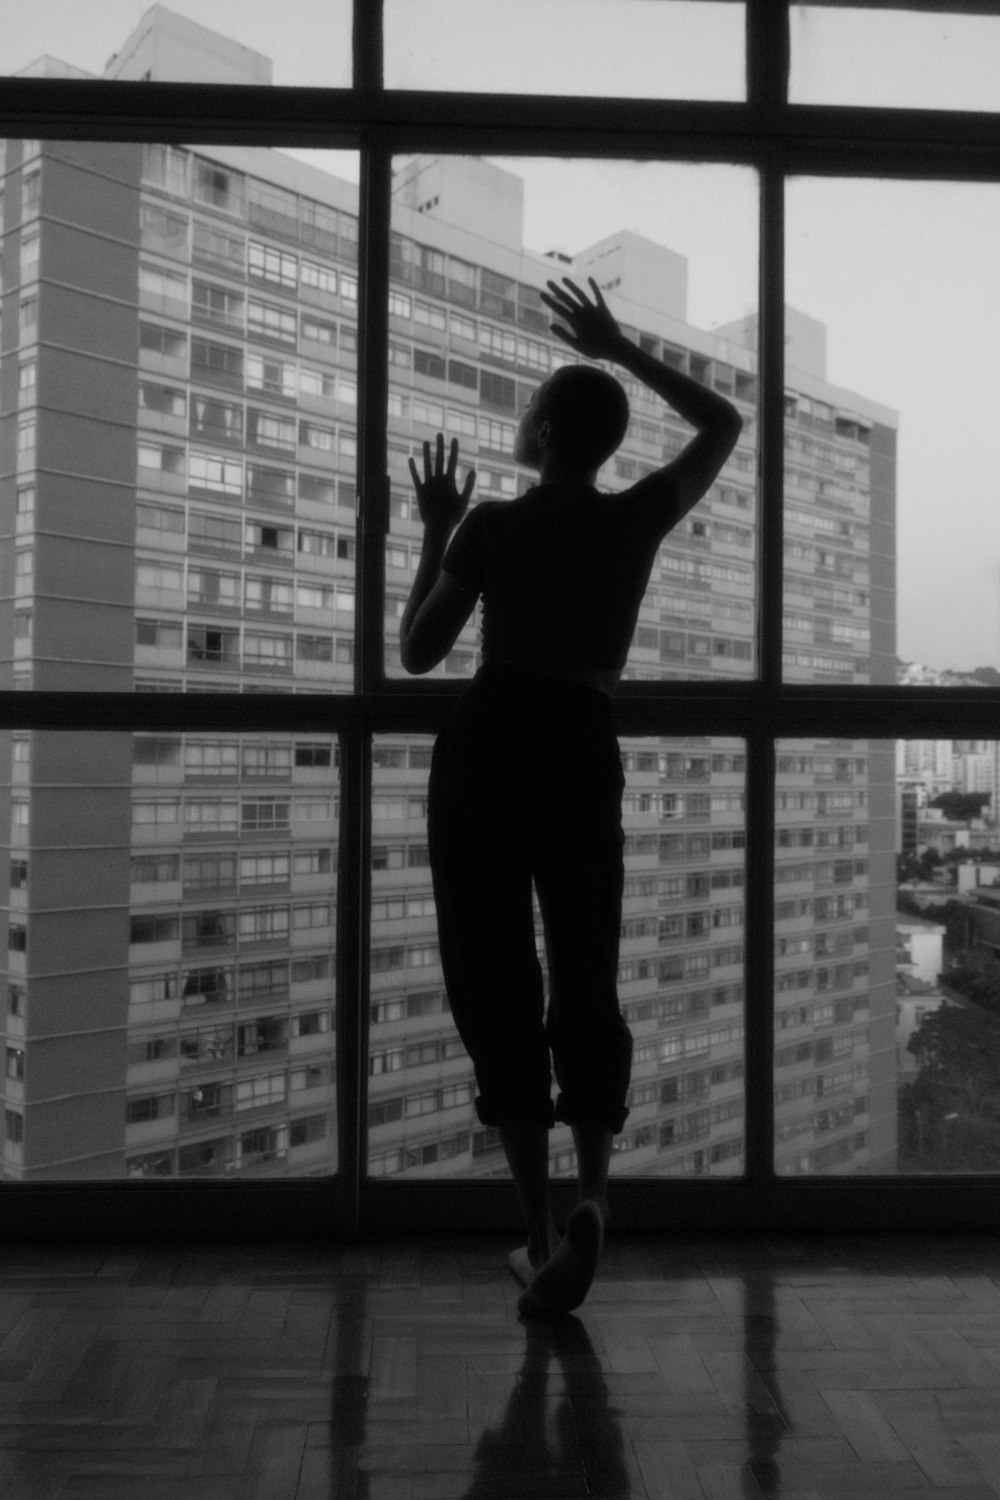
point(920, 948)
point(909, 800)
point(948, 835)
point(981, 913)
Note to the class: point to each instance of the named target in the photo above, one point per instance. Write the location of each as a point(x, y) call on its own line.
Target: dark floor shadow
point(558, 1424)
point(767, 1421)
point(346, 1362)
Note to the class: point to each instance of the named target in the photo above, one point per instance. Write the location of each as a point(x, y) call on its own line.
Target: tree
point(953, 916)
point(961, 807)
point(977, 977)
point(957, 927)
point(952, 1108)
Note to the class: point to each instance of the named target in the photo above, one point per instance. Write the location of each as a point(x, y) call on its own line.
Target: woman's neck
point(555, 470)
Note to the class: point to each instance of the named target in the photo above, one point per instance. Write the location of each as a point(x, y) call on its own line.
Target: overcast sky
point(904, 275)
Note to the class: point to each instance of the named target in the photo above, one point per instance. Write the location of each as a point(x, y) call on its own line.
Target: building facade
point(177, 492)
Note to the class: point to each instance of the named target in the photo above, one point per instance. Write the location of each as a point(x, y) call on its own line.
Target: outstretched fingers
point(560, 299)
point(598, 294)
point(578, 293)
point(562, 308)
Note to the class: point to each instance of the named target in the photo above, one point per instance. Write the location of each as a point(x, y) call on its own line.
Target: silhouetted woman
point(526, 778)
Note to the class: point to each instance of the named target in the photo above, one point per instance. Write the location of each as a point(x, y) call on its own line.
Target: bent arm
point(594, 332)
point(436, 610)
point(674, 489)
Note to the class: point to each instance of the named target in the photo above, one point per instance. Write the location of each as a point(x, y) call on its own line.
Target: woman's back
point(562, 572)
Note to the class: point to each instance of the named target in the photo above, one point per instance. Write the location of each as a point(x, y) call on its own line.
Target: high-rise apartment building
point(177, 498)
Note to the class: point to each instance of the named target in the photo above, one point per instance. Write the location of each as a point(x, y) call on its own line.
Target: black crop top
point(562, 572)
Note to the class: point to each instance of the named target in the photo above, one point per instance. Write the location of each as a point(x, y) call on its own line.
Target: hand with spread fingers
point(441, 504)
point(593, 330)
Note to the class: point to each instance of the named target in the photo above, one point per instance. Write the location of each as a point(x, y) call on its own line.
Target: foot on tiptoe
point(564, 1280)
point(527, 1260)
point(520, 1264)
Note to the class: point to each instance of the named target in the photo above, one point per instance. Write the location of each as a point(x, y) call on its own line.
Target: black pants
point(526, 783)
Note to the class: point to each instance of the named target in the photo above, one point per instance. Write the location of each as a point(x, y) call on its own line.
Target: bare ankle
point(597, 1198)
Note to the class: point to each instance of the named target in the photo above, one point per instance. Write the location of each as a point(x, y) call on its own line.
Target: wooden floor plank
point(699, 1369)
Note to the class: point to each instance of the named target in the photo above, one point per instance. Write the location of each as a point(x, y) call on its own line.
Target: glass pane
point(180, 462)
point(189, 41)
point(939, 60)
point(948, 936)
point(835, 958)
point(675, 49)
point(887, 933)
point(170, 955)
point(900, 278)
point(680, 974)
point(470, 341)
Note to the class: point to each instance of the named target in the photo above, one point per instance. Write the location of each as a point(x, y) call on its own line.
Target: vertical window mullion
point(354, 905)
point(767, 88)
point(373, 345)
point(768, 52)
point(771, 419)
point(768, 58)
point(352, 967)
point(367, 45)
point(374, 210)
point(759, 998)
point(759, 955)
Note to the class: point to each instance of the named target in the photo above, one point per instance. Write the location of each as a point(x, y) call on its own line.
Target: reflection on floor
point(697, 1370)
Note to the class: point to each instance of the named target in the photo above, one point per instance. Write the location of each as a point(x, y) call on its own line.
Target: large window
point(222, 965)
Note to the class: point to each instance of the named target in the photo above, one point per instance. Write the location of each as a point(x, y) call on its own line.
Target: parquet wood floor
point(851, 1369)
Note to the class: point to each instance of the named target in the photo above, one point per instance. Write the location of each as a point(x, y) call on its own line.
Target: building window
point(319, 278)
point(28, 317)
point(277, 377)
point(207, 644)
point(314, 648)
point(168, 343)
point(318, 332)
point(154, 929)
point(210, 243)
point(217, 187)
point(266, 263)
point(216, 364)
point(216, 304)
point(267, 321)
point(265, 815)
point(214, 473)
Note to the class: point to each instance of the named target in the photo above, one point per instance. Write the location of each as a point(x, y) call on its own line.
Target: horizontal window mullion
point(704, 708)
point(953, 7)
point(878, 141)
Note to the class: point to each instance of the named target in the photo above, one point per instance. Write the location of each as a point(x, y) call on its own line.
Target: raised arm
point(593, 332)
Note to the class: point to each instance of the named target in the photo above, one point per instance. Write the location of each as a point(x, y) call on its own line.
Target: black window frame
point(778, 140)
